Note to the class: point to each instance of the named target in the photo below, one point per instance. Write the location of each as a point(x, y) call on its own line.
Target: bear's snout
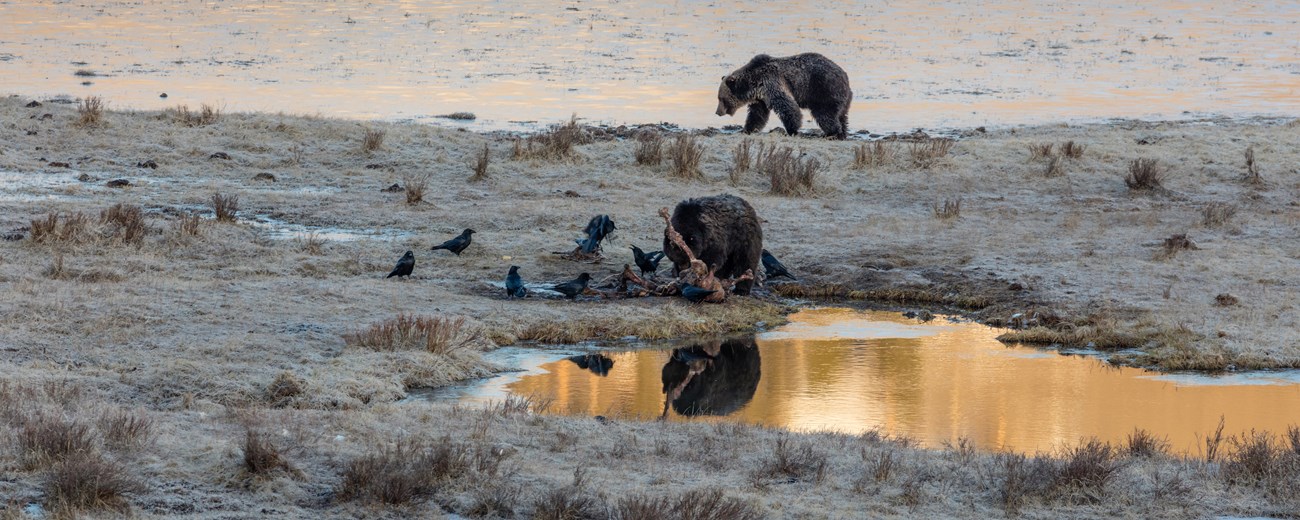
point(722, 109)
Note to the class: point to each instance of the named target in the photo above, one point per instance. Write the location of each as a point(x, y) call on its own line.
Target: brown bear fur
point(722, 231)
point(786, 85)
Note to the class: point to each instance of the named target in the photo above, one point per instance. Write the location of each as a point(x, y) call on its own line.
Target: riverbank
point(199, 325)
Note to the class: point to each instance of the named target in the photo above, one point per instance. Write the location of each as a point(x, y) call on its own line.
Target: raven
point(456, 245)
point(648, 262)
point(573, 288)
point(515, 284)
point(774, 267)
point(696, 294)
point(597, 229)
point(404, 266)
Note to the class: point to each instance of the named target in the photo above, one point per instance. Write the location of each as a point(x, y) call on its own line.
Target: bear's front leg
point(757, 118)
point(786, 109)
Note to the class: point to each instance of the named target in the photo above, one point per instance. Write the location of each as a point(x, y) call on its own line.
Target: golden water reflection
point(853, 371)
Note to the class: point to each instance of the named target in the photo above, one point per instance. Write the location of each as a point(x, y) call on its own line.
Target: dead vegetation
point(372, 140)
point(204, 116)
point(949, 209)
point(696, 504)
point(126, 223)
point(434, 334)
point(1038, 151)
point(789, 173)
point(668, 322)
point(685, 153)
point(1142, 443)
point(1252, 174)
point(556, 144)
point(1172, 245)
point(1055, 168)
point(926, 153)
point(90, 112)
point(649, 149)
point(61, 228)
point(414, 187)
point(741, 157)
point(262, 457)
point(87, 482)
point(225, 207)
point(1217, 214)
point(480, 165)
point(791, 462)
point(1072, 150)
point(873, 154)
point(405, 471)
point(1145, 175)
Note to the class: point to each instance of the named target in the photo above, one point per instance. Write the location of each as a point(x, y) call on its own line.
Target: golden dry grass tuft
point(414, 187)
point(126, 430)
point(1252, 174)
point(1055, 167)
point(1145, 175)
point(204, 116)
point(789, 173)
point(1039, 151)
point(404, 472)
point(685, 154)
point(126, 222)
point(225, 206)
point(926, 153)
point(90, 112)
point(45, 439)
point(262, 457)
point(649, 149)
point(87, 482)
point(434, 334)
point(1073, 150)
point(667, 322)
point(1142, 443)
point(873, 154)
point(559, 143)
point(741, 159)
point(480, 165)
point(372, 140)
point(1217, 214)
point(696, 504)
point(65, 228)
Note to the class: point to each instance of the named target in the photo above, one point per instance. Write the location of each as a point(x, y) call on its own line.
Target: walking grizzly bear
point(786, 85)
point(723, 232)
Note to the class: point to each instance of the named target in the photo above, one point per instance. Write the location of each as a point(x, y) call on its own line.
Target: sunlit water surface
point(855, 371)
point(912, 63)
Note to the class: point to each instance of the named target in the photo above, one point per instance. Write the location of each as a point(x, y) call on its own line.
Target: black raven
point(648, 262)
point(573, 288)
point(456, 245)
point(404, 266)
point(515, 284)
point(696, 294)
point(774, 267)
point(597, 229)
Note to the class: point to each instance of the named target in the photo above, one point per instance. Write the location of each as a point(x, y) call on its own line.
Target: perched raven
point(774, 267)
point(648, 262)
point(573, 288)
point(404, 266)
point(515, 284)
point(456, 245)
point(597, 229)
point(696, 294)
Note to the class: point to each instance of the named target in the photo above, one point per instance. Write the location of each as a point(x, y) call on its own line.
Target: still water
point(853, 371)
point(912, 63)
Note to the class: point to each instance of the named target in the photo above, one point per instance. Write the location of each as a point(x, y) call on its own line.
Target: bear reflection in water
point(711, 378)
point(596, 363)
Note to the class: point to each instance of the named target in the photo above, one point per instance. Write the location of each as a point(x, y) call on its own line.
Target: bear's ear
point(729, 80)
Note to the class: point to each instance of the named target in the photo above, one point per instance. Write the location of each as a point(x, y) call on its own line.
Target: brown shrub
point(372, 140)
point(88, 482)
point(127, 223)
point(1072, 150)
point(480, 165)
point(741, 158)
point(1041, 151)
point(415, 187)
point(1089, 466)
point(876, 153)
point(1145, 175)
point(225, 207)
point(925, 153)
point(262, 457)
point(1252, 168)
point(1216, 214)
point(568, 503)
point(685, 153)
point(310, 242)
point(1255, 458)
point(947, 210)
point(557, 143)
point(1226, 300)
point(1142, 443)
point(788, 173)
point(90, 111)
point(649, 149)
point(1174, 244)
point(800, 462)
point(187, 225)
point(1214, 442)
point(438, 335)
point(44, 439)
point(403, 472)
point(204, 116)
point(1022, 478)
point(696, 504)
point(125, 430)
point(61, 228)
point(284, 388)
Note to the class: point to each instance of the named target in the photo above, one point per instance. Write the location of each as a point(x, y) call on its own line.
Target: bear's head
point(742, 87)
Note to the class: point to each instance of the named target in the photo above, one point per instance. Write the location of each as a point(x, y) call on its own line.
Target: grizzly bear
point(786, 85)
point(723, 232)
point(712, 378)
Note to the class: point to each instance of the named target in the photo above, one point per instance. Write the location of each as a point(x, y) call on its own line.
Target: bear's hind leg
point(757, 118)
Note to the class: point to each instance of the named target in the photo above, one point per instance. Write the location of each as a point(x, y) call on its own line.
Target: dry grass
point(685, 153)
point(43, 439)
point(1041, 151)
point(794, 463)
point(789, 173)
point(1142, 443)
point(434, 334)
point(1145, 175)
point(1216, 214)
point(480, 165)
point(873, 154)
point(949, 209)
point(1174, 244)
point(741, 159)
point(87, 482)
point(926, 153)
point(126, 223)
point(311, 243)
point(415, 185)
point(204, 116)
point(1089, 467)
point(225, 206)
point(404, 472)
point(1072, 150)
point(372, 140)
point(568, 503)
point(90, 112)
point(66, 228)
point(669, 323)
point(649, 149)
point(557, 144)
point(188, 225)
point(1252, 174)
point(903, 295)
point(696, 504)
point(126, 430)
point(262, 457)
point(1055, 167)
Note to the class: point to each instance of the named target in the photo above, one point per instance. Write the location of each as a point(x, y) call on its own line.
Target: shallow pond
point(912, 63)
point(854, 371)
